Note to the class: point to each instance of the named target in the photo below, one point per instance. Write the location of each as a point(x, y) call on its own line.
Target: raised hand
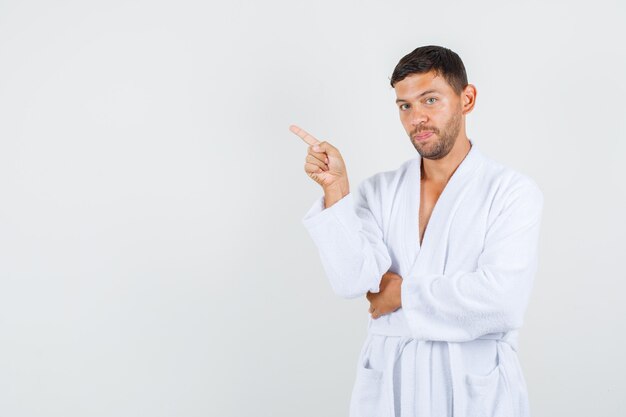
point(323, 162)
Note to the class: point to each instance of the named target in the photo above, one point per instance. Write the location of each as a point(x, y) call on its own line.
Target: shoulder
point(384, 181)
point(510, 186)
point(378, 191)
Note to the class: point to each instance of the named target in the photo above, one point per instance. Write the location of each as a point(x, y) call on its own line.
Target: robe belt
point(455, 365)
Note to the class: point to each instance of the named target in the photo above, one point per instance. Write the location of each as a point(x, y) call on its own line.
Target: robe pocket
point(488, 394)
point(369, 374)
point(366, 395)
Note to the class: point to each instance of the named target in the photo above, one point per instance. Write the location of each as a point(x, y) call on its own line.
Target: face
point(427, 103)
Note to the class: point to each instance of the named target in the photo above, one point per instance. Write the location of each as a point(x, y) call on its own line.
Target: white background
point(152, 256)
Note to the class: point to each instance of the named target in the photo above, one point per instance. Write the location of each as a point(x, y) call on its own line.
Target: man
point(445, 248)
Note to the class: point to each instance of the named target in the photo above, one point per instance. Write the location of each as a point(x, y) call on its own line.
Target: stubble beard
point(438, 149)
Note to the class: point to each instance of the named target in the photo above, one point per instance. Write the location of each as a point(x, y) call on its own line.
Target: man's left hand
point(388, 299)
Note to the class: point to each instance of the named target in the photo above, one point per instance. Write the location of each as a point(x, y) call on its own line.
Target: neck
point(440, 170)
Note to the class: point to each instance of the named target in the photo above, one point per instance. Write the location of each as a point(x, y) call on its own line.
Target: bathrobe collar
point(419, 257)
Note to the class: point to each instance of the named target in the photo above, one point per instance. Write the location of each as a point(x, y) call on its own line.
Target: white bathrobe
point(450, 350)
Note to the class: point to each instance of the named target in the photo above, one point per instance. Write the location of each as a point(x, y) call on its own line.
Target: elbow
point(515, 309)
point(349, 290)
point(348, 293)
point(514, 320)
point(512, 316)
point(339, 287)
point(356, 283)
point(510, 300)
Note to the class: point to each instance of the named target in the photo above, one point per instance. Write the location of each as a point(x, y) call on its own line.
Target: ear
point(468, 98)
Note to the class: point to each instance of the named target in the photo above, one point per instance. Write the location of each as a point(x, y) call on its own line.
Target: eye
point(401, 106)
point(431, 98)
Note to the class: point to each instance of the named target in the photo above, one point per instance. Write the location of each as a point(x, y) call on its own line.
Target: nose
point(417, 117)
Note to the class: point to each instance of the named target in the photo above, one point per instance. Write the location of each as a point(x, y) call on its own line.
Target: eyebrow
point(423, 94)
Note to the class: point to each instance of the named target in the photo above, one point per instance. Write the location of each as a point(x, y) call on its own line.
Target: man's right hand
point(324, 165)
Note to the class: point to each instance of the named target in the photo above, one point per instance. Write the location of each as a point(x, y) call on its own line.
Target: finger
point(312, 169)
point(327, 148)
point(392, 275)
point(311, 159)
point(307, 137)
point(322, 156)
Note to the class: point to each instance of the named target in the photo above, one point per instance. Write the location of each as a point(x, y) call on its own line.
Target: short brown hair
point(432, 58)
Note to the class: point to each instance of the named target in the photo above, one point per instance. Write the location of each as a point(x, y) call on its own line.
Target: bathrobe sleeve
point(350, 243)
point(463, 305)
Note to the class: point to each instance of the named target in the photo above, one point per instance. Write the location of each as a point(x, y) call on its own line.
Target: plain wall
point(152, 256)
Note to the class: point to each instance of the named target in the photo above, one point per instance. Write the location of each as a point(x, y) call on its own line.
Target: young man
point(445, 248)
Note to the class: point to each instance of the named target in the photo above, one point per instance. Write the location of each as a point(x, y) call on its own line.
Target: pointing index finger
point(307, 137)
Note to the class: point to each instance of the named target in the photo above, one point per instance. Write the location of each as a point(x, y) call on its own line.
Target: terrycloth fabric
point(451, 349)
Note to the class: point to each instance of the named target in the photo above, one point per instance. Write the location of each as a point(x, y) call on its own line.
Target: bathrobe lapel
point(430, 257)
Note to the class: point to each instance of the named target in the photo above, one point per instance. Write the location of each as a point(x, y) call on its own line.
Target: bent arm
point(463, 305)
point(350, 244)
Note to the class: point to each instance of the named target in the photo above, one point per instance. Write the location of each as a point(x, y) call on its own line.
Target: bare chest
point(429, 194)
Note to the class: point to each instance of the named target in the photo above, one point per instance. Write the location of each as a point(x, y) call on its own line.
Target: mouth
point(423, 136)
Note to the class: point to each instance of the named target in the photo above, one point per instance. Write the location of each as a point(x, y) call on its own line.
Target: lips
point(423, 135)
